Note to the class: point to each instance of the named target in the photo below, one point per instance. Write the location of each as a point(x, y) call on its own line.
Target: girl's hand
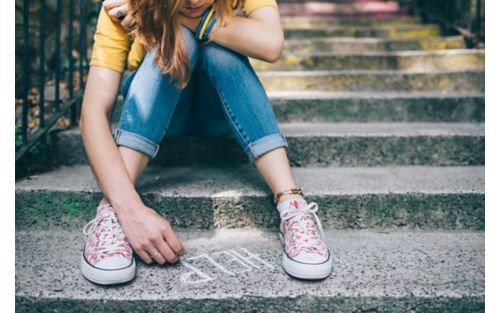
point(118, 10)
point(148, 233)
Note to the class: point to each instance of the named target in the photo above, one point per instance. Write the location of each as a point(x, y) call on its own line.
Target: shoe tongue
point(104, 209)
point(292, 204)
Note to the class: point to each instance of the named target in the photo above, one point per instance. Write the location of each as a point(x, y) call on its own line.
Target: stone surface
point(200, 197)
point(409, 61)
point(379, 9)
point(320, 22)
point(372, 271)
point(386, 31)
point(356, 45)
point(322, 144)
point(445, 82)
point(318, 106)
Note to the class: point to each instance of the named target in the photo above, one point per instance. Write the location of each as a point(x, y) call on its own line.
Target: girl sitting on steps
point(190, 75)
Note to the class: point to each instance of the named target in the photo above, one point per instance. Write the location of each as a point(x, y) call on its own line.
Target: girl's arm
point(145, 229)
point(107, 165)
point(259, 36)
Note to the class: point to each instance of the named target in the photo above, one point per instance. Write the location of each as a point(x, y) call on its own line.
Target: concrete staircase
point(385, 124)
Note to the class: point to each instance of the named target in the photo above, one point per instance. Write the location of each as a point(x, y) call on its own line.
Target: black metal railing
point(49, 85)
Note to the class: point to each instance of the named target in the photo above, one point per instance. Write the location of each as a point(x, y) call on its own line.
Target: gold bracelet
point(294, 190)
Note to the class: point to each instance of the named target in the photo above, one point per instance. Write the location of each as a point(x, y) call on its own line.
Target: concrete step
point(321, 106)
point(321, 144)
point(429, 61)
point(319, 22)
point(381, 9)
point(240, 271)
point(445, 82)
point(324, 106)
point(388, 31)
point(235, 197)
point(357, 45)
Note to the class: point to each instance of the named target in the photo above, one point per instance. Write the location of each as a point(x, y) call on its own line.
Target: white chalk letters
point(238, 262)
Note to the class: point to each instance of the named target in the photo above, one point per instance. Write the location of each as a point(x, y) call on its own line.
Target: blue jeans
point(223, 96)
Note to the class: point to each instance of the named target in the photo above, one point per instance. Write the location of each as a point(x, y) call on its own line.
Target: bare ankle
point(103, 202)
point(289, 196)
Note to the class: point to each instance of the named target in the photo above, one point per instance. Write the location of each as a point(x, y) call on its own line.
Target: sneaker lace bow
point(110, 237)
point(302, 216)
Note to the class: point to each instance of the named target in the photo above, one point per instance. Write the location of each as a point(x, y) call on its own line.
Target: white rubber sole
point(107, 277)
point(306, 270)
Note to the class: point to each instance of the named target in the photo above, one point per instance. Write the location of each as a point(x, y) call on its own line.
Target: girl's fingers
point(118, 13)
point(144, 256)
point(110, 4)
point(165, 251)
point(172, 240)
point(158, 257)
point(128, 23)
point(113, 4)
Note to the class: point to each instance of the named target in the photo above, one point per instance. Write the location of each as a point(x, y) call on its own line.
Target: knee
point(191, 46)
point(216, 57)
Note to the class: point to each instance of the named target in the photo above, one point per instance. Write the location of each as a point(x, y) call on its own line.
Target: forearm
point(258, 36)
point(105, 159)
point(251, 37)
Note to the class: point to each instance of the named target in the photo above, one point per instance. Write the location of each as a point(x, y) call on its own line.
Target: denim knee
point(191, 45)
point(215, 57)
point(150, 102)
point(244, 99)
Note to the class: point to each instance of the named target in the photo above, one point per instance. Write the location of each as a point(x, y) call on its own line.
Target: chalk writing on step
point(244, 259)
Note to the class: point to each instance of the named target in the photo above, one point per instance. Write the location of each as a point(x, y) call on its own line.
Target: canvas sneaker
point(107, 257)
point(306, 255)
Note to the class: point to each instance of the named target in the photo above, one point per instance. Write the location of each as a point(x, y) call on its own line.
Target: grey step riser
point(424, 62)
point(391, 81)
point(71, 210)
point(328, 22)
point(293, 10)
point(381, 109)
point(341, 45)
point(406, 32)
point(467, 109)
point(305, 150)
point(257, 304)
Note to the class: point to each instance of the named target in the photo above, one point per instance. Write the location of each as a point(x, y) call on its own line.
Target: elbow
point(273, 53)
point(273, 56)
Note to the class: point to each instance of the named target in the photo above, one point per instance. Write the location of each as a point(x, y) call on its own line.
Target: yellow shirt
point(114, 48)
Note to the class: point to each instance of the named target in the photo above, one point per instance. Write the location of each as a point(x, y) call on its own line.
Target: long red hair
point(158, 24)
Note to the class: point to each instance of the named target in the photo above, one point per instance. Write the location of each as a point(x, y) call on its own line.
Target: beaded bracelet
point(294, 190)
point(206, 23)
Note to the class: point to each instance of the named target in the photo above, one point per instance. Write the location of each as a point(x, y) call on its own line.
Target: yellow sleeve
point(250, 5)
point(136, 55)
point(111, 44)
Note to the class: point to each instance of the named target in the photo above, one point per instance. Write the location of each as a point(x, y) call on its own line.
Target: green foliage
point(19, 137)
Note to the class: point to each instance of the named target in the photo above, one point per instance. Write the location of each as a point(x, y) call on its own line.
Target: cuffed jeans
point(223, 96)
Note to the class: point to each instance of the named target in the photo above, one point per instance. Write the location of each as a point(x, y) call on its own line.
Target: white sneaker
point(107, 257)
point(306, 255)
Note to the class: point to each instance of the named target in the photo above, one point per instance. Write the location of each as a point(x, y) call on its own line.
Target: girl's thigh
point(183, 115)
